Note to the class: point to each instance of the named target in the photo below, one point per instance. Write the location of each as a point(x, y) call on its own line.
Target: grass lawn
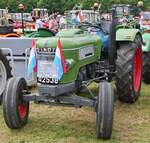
point(70, 125)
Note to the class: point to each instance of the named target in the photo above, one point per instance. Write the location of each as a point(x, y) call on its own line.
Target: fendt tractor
point(101, 54)
point(127, 28)
point(133, 17)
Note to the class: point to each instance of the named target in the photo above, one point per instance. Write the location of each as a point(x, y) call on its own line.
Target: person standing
point(62, 22)
point(4, 20)
point(53, 24)
point(38, 23)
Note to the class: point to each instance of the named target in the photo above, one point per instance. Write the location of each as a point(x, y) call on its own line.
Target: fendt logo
point(46, 50)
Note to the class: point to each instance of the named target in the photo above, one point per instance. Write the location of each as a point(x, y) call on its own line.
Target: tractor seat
point(44, 32)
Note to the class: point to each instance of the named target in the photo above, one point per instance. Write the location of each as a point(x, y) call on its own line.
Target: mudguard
point(126, 34)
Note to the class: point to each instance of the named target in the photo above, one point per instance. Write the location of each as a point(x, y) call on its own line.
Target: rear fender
point(126, 34)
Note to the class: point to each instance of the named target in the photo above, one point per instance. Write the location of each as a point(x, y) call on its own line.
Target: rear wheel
point(105, 108)
point(15, 109)
point(5, 73)
point(129, 71)
point(146, 67)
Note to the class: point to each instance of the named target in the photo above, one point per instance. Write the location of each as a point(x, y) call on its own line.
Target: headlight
point(69, 64)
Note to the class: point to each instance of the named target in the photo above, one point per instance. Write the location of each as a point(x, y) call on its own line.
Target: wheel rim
point(22, 108)
point(137, 70)
point(3, 77)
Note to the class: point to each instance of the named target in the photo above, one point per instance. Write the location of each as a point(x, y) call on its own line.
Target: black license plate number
point(50, 81)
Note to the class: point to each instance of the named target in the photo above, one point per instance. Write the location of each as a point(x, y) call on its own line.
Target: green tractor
point(81, 57)
point(126, 28)
point(143, 24)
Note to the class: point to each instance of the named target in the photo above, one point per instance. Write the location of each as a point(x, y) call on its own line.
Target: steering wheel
point(86, 25)
point(94, 27)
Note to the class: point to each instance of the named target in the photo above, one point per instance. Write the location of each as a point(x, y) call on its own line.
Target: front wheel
point(15, 109)
point(105, 108)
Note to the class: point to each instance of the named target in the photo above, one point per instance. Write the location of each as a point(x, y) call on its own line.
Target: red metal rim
point(22, 109)
point(137, 71)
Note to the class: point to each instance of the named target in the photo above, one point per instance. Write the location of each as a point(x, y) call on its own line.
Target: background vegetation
point(62, 5)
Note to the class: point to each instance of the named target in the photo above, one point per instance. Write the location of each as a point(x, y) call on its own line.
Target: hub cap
point(22, 108)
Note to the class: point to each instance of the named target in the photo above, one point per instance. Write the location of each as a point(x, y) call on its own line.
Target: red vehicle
point(16, 24)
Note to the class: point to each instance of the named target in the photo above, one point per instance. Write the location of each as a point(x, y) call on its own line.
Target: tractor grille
point(46, 54)
point(45, 57)
point(47, 70)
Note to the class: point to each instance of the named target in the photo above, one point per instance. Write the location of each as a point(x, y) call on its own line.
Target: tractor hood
point(70, 39)
point(146, 40)
point(79, 49)
point(69, 33)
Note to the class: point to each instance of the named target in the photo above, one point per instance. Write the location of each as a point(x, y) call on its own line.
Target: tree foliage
point(62, 5)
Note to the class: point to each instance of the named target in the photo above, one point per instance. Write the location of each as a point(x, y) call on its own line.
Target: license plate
point(47, 72)
point(45, 80)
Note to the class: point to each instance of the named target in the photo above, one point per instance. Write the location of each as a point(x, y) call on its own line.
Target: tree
point(63, 5)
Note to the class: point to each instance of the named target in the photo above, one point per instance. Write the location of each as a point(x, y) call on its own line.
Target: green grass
point(70, 125)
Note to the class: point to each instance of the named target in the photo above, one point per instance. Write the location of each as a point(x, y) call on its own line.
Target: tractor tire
point(146, 68)
point(105, 109)
point(5, 73)
point(129, 71)
point(15, 109)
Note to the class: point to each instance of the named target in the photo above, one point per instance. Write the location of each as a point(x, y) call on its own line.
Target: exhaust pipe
point(112, 52)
